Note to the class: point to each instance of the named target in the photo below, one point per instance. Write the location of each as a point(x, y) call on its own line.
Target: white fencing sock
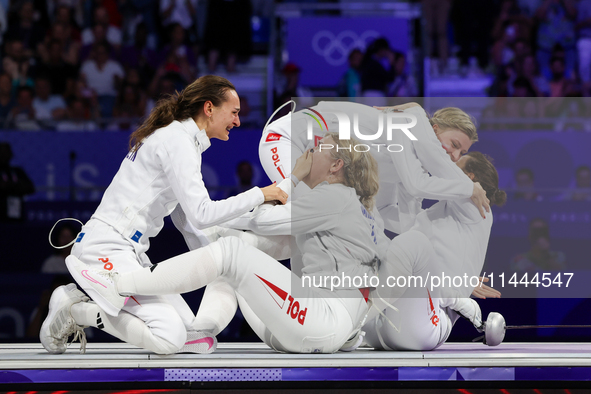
point(125, 326)
point(180, 274)
point(217, 307)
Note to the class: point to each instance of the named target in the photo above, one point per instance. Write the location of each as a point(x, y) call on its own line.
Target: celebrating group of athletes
point(326, 211)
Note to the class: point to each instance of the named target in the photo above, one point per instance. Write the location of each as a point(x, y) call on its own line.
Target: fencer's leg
point(182, 308)
point(217, 307)
point(180, 274)
point(276, 246)
point(303, 320)
point(409, 255)
point(250, 272)
point(257, 325)
point(418, 323)
point(161, 330)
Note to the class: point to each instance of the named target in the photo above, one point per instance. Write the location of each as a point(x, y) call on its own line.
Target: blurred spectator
point(524, 185)
point(61, 74)
point(75, 12)
point(47, 106)
point(291, 86)
point(539, 258)
point(77, 119)
point(244, 173)
point(223, 43)
point(473, 22)
point(145, 12)
point(112, 32)
point(244, 108)
point(522, 87)
point(14, 185)
point(500, 84)
point(180, 12)
point(162, 85)
point(56, 263)
point(22, 115)
point(377, 68)
point(350, 83)
point(436, 14)
point(182, 55)
point(560, 85)
point(88, 98)
point(26, 28)
point(582, 189)
point(71, 49)
point(6, 97)
point(103, 75)
point(139, 56)
point(511, 35)
point(17, 63)
point(100, 36)
point(403, 84)
point(583, 27)
point(64, 15)
point(556, 26)
point(527, 68)
point(130, 102)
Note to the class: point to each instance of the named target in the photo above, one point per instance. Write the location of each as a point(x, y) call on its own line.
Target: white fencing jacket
point(421, 170)
point(334, 232)
point(164, 172)
point(459, 236)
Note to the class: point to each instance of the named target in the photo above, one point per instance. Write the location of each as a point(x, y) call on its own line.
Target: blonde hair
point(455, 118)
point(360, 169)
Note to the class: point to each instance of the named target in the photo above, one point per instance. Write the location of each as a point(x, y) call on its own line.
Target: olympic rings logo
point(335, 49)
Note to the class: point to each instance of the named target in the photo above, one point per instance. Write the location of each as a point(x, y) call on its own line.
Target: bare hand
point(273, 193)
point(479, 199)
point(483, 291)
point(303, 165)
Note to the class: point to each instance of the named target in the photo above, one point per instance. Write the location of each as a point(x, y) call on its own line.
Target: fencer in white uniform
point(336, 234)
point(403, 179)
point(406, 176)
point(161, 172)
point(450, 240)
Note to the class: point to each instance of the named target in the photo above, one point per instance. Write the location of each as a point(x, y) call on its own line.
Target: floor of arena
point(466, 364)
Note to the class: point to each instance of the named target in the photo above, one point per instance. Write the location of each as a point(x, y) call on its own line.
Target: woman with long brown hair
point(161, 173)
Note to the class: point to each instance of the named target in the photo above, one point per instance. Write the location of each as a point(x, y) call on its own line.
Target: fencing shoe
point(201, 342)
point(59, 324)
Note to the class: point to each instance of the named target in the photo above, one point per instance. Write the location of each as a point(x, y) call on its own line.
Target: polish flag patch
point(273, 137)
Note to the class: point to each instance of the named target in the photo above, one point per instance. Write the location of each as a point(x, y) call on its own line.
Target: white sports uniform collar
point(201, 140)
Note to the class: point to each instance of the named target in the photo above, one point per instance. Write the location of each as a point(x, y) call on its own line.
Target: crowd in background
point(102, 64)
point(89, 64)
